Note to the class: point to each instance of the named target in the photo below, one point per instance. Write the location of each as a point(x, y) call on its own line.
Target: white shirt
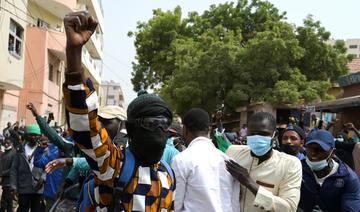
point(243, 132)
point(334, 169)
point(279, 179)
point(28, 153)
point(202, 181)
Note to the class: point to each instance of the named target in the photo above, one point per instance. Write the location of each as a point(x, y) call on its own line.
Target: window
point(15, 39)
point(51, 72)
point(43, 24)
point(58, 78)
point(115, 87)
point(353, 46)
point(111, 96)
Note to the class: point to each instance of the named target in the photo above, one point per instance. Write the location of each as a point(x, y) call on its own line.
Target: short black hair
point(260, 116)
point(197, 120)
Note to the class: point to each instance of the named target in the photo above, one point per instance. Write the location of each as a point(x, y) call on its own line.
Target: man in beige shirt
point(270, 180)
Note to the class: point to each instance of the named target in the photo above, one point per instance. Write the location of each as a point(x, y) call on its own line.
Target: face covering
point(148, 146)
point(259, 144)
point(8, 148)
point(290, 149)
point(318, 165)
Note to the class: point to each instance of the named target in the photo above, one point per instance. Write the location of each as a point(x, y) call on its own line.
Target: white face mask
point(8, 147)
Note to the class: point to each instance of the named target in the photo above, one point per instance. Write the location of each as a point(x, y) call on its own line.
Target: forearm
point(74, 73)
point(253, 187)
point(51, 133)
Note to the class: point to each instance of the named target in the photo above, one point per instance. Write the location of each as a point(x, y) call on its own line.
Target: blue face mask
point(317, 165)
point(259, 144)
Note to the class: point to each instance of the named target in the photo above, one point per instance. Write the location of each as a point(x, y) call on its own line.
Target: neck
point(264, 157)
point(324, 172)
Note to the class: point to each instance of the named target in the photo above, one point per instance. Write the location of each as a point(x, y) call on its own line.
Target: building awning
point(338, 105)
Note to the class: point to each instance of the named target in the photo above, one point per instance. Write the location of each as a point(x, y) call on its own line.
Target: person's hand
point(56, 164)
point(351, 126)
point(238, 172)
point(79, 27)
point(32, 108)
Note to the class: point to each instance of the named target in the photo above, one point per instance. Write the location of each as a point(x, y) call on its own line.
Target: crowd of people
point(109, 159)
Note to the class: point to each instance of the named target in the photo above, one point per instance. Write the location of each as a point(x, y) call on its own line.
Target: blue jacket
point(53, 180)
point(170, 151)
point(339, 192)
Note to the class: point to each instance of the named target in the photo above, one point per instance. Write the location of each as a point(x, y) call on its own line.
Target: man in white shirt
point(202, 182)
point(270, 180)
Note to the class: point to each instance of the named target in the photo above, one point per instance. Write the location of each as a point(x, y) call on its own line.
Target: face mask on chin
point(8, 148)
point(148, 146)
point(318, 165)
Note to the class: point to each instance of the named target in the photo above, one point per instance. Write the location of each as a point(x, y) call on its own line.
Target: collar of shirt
point(200, 139)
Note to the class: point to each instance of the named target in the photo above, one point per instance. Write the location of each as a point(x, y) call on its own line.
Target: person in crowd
point(328, 183)
point(292, 141)
point(350, 133)
point(113, 118)
point(175, 131)
point(43, 154)
point(62, 144)
point(270, 180)
point(202, 182)
point(314, 122)
point(26, 180)
point(79, 171)
point(6, 132)
point(243, 131)
point(6, 161)
point(170, 151)
point(149, 117)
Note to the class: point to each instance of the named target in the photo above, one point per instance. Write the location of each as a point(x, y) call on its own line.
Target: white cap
point(112, 111)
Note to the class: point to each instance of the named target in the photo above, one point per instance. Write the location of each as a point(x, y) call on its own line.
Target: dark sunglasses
point(153, 123)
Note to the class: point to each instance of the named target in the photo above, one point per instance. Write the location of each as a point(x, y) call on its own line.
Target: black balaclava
point(147, 145)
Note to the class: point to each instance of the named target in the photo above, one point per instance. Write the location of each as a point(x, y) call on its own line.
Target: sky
point(340, 18)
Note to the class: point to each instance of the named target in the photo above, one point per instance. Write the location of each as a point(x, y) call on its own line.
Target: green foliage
point(245, 49)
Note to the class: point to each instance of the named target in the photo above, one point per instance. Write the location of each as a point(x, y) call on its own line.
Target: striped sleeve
point(81, 103)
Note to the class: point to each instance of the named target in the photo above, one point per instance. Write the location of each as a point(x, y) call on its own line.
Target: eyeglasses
point(152, 123)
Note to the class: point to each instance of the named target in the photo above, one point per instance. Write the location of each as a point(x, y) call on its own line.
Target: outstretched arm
point(81, 110)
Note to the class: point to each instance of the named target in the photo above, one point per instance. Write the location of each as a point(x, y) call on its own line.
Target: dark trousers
point(6, 200)
point(29, 201)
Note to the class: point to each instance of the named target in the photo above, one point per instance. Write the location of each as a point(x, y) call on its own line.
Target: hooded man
point(149, 118)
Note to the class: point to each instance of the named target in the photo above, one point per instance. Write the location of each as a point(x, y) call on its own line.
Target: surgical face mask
point(259, 144)
point(318, 165)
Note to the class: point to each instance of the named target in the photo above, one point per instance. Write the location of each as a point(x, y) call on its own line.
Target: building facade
point(352, 46)
point(111, 94)
point(13, 19)
point(44, 62)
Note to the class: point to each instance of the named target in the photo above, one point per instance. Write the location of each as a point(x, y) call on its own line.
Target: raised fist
point(79, 27)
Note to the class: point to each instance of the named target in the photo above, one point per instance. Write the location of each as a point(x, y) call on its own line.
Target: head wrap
point(148, 105)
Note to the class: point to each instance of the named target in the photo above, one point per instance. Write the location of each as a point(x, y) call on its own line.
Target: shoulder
point(237, 150)
point(289, 162)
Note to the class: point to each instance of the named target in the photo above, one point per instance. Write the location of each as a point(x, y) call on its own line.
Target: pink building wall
point(38, 89)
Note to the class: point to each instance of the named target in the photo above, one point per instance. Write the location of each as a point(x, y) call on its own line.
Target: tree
point(246, 50)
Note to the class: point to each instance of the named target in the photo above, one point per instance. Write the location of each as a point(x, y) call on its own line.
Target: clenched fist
point(79, 27)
